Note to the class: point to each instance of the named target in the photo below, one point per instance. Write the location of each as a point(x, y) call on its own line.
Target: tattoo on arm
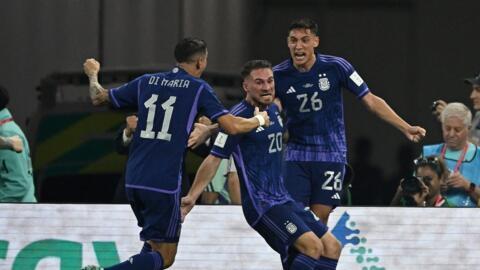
point(98, 94)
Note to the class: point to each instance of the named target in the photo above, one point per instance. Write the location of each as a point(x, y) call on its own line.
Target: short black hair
point(304, 23)
point(252, 65)
point(4, 97)
point(188, 47)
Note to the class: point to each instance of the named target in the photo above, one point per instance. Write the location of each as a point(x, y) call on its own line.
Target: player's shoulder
point(325, 59)
point(242, 109)
point(282, 67)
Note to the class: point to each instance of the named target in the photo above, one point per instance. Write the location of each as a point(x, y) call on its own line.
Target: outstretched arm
point(98, 94)
point(204, 175)
point(234, 125)
point(379, 107)
point(13, 143)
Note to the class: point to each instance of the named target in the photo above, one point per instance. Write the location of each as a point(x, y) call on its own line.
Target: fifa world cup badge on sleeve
point(221, 139)
point(356, 78)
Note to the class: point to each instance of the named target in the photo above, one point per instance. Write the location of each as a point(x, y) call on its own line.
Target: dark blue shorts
point(283, 224)
point(314, 182)
point(158, 214)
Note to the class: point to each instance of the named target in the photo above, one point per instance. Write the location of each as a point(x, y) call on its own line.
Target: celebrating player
point(167, 104)
point(302, 241)
point(308, 86)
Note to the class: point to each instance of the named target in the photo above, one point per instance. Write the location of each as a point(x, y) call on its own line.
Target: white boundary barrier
point(65, 236)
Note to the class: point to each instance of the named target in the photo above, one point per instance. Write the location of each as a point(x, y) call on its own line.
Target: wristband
point(125, 139)
point(260, 119)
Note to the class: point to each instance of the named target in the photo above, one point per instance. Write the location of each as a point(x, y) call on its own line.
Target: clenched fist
point(91, 67)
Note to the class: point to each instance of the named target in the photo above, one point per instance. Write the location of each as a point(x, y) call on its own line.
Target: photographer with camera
point(412, 192)
point(424, 188)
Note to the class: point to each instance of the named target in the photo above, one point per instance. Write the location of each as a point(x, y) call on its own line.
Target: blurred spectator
point(224, 187)
point(122, 142)
point(462, 158)
point(475, 97)
point(16, 179)
point(424, 189)
point(474, 134)
point(13, 143)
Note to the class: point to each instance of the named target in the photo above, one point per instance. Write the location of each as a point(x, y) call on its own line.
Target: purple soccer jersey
point(314, 107)
point(258, 159)
point(167, 104)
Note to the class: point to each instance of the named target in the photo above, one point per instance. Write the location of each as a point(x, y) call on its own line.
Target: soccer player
point(308, 87)
point(268, 208)
point(167, 104)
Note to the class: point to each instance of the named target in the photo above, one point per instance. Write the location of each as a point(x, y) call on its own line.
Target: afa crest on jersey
point(291, 228)
point(323, 82)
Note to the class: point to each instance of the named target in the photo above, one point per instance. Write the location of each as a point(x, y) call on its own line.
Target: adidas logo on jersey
point(260, 128)
point(291, 90)
point(336, 196)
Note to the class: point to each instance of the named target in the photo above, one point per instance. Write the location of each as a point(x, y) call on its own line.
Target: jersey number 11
point(163, 134)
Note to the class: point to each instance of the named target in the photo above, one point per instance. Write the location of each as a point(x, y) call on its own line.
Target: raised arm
point(230, 123)
point(13, 143)
point(235, 125)
point(204, 175)
point(98, 94)
point(379, 107)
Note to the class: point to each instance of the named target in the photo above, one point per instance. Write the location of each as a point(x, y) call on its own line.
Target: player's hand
point(415, 133)
point(264, 114)
point(132, 121)
point(186, 206)
point(198, 136)
point(16, 143)
point(204, 120)
point(439, 107)
point(91, 67)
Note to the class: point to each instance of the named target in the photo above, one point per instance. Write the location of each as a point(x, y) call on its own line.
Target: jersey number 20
point(163, 134)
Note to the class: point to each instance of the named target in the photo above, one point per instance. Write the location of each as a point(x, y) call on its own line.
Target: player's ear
point(244, 86)
point(197, 64)
point(316, 41)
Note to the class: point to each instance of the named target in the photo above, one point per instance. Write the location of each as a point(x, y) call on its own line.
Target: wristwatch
point(472, 187)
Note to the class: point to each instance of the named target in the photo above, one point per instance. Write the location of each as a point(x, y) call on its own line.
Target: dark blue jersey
point(258, 159)
point(314, 107)
point(167, 104)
